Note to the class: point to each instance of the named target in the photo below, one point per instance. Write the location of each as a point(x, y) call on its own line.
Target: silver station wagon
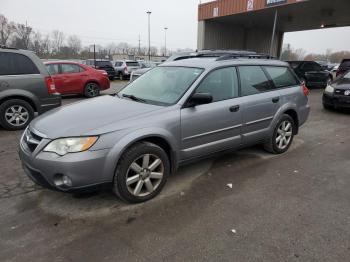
point(176, 112)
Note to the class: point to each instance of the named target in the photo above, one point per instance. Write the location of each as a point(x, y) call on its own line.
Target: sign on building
point(216, 11)
point(275, 2)
point(250, 5)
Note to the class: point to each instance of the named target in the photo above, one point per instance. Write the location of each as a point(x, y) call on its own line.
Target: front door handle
point(275, 100)
point(234, 108)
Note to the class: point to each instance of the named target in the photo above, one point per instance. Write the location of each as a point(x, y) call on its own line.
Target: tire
point(15, 114)
point(273, 145)
point(91, 90)
point(121, 76)
point(134, 167)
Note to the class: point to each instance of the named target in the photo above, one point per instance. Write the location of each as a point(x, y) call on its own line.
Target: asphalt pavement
point(242, 206)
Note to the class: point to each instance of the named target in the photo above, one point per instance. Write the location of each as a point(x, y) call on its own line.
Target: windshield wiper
point(132, 97)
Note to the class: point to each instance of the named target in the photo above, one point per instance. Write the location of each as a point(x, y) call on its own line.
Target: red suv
point(76, 78)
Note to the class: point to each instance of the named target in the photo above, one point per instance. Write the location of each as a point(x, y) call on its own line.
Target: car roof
point(210, 63)
point(61, 62)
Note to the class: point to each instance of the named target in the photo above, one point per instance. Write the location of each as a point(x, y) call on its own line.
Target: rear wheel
point(15, 114)
point(91, 90)
point(141, 173)
point(282, 136)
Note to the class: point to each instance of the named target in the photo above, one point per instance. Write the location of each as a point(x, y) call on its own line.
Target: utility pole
point(139, 44)
point(165, 29)
point(273, 33)
point(149, 35)
point(95, 55)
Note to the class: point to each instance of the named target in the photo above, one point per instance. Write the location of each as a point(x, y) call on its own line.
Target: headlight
point(63, 146)
point(329, 89)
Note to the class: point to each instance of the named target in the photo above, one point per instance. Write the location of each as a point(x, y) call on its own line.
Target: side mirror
point(200, 99)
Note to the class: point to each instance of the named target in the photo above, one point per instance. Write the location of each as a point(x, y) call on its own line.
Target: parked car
point(311, 73)
point(198, 54)
point(101, 64)
point(343, 67)
point(76, 78)
point(178, 111)
point(145, 66)
point(124, 68)
point(25, 88)
point(337, 94)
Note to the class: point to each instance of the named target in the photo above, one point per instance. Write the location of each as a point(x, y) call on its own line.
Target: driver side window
point(222, 84)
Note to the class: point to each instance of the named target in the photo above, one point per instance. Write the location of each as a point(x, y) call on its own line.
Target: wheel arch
point(20, 97)
point(294, 115)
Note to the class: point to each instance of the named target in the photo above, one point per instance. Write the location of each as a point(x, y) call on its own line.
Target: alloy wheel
point(92, 90)
point(17, 115)
point(284, 134)
point(144, 175)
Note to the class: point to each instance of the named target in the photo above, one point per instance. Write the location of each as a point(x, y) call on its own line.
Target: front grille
point(31, 140)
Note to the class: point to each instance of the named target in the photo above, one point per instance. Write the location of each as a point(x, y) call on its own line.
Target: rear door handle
point(234, 108)
point(275, 99)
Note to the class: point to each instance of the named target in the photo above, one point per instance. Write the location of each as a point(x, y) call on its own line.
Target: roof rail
point(249, 56)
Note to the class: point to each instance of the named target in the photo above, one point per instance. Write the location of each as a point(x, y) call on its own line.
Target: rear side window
point(281, 76)
point(16, 64)
point(222, 84)
point(53, 69)
point(253, 80)
point(70, 68)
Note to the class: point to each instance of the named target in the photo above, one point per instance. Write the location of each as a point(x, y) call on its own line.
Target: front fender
point(126, 141)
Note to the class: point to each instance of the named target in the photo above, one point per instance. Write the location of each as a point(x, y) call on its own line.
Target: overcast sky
point(106, 21)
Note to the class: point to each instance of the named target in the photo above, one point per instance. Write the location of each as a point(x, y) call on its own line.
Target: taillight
point(50, 85)
point(306, 91)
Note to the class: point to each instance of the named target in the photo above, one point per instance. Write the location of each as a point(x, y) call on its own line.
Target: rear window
point(103, 63)
point(345, 63)
point(132, 64)
point(16, 64)
point(281, 76)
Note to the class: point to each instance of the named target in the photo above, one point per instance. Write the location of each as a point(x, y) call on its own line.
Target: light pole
point(149, 35)
point(165, 29)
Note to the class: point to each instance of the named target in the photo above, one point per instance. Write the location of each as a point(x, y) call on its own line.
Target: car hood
point(142, 71)
point(82, 118)
point(342, 83)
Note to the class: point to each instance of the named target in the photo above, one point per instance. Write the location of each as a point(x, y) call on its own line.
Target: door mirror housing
point(200, 99)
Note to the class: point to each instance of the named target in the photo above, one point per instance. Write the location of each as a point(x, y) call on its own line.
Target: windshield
point(162, 85)
point(347, 75)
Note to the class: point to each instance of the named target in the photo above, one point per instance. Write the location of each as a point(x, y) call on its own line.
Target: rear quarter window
point(16, 64)
point(281, 76)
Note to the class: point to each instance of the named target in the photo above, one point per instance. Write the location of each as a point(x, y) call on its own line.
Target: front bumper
point(336, 100)
point(84, 169)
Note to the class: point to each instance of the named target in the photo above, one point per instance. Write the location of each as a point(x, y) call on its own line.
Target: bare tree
point(6, 29)
point(37, 45)
point(57, 41)
point(74, 44)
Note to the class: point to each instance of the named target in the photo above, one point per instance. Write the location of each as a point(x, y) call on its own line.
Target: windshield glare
point(163, 85)
point(347, 75)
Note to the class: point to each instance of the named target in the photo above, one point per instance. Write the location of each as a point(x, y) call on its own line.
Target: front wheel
point(282, 136)
point(141, 173)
